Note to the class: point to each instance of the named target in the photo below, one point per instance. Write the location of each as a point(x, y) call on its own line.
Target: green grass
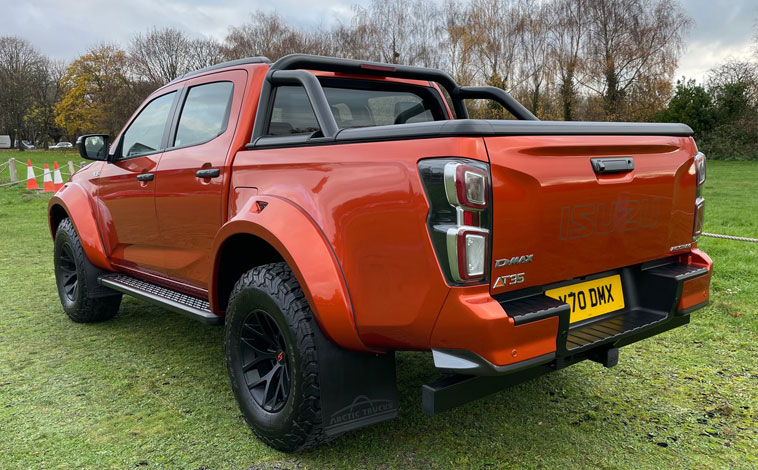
point(149, 388)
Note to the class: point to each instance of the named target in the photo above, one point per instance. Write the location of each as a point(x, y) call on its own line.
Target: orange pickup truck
point(330, 212)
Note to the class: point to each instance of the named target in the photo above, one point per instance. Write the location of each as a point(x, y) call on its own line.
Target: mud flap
point(357, 389)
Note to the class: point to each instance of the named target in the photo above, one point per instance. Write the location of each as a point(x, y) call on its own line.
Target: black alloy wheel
point(67, 275)
point(82, 298)
point(265, 362)
point(272, 359)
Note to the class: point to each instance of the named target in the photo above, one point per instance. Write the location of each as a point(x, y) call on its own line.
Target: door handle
point(145, 177)
point(604, 166)
point(208, 173)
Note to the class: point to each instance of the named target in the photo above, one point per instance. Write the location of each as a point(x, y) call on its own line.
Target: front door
point(125, 193)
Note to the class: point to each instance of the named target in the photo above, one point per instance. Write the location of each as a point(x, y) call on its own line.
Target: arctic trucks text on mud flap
point(330, 212)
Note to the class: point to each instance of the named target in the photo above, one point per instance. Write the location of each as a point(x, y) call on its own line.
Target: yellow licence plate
point(591, 298)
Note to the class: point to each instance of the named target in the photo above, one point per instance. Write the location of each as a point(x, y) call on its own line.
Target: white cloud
point(723, 29)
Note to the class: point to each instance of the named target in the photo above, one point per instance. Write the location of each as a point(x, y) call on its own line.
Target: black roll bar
point(292, 70)
point(456, 92)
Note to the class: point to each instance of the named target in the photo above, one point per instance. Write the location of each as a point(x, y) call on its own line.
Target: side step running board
point(197, 308)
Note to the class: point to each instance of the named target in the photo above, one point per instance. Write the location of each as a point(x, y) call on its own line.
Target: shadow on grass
point(412, 440)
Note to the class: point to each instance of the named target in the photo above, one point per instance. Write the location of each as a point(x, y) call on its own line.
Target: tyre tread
point(278, 281)
point(88, 309)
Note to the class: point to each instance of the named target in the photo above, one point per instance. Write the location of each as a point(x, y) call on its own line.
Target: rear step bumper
point(653, 304)
point(194, 307)
point(652, 292)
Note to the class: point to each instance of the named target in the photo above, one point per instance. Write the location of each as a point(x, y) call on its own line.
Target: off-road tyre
point(82, 299)
point(272, 292)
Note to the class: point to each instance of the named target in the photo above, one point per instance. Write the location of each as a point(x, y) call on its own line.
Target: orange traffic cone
point(47, 181)
point(31, 178)
point(57, 179)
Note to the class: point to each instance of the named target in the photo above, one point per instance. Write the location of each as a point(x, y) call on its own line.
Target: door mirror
point(93, 146)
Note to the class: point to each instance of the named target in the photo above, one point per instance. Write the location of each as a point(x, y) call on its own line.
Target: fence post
point(71, 170)
point(12, 169)
point(81, 165)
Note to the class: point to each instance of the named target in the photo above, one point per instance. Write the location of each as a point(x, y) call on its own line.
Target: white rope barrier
point(731, 237)
point(16, 182)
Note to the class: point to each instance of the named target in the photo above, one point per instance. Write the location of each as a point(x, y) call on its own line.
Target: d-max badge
point(513, 261)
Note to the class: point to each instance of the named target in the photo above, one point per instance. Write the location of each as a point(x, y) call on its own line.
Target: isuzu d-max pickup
point(330, 212)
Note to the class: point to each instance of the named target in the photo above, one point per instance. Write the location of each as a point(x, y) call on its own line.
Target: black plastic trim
point(477, 128)
point(191, 306)
point(455, 390)
point(607, 166)
point(223, 65)
point(689, 310)
point(483, 128)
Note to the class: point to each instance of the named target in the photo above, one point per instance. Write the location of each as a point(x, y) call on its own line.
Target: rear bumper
point(477, 334)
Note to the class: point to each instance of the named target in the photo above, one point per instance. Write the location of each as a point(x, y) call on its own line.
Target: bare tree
point(46, 91)
point(458, 41)
point(534, 43)
point(160, 55)
point(20, 66)
point(401, 31)
point(264, 35)
point(629, 39)
point(204, 53)
point(497, 26)
point(566, 37)
point(354, 41)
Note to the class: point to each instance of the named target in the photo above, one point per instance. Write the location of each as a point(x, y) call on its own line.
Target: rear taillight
point(459, 216)
point(699, 164)
point(466, 186)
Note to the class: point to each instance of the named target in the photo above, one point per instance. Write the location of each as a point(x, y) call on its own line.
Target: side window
point(292, 112)
point(205, 114)
point(146, 131)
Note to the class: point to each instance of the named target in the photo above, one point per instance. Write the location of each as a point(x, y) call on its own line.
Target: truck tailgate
point(555, 218)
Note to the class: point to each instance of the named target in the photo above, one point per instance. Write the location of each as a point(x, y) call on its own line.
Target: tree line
point(563, 59)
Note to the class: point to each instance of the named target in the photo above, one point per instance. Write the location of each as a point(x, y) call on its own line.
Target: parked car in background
point(62, 145)
point(27, 144)
point(5, 141)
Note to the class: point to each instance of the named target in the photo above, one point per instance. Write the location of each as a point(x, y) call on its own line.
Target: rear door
point(125, 188)
point(192, 174)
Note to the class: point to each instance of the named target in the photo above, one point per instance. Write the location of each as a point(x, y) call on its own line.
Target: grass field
point(149, 388)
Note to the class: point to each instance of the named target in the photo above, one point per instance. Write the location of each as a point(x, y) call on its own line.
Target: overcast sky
point(64, 29)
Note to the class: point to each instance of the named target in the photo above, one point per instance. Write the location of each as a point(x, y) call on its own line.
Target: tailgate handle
point(604, 166)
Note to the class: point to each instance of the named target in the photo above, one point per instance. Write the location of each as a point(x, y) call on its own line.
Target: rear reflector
point(695, 292)
point(699, 164)
point(697, 229)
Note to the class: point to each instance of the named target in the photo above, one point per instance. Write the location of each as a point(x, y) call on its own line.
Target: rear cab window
point(205, 114)
point(354, 103)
